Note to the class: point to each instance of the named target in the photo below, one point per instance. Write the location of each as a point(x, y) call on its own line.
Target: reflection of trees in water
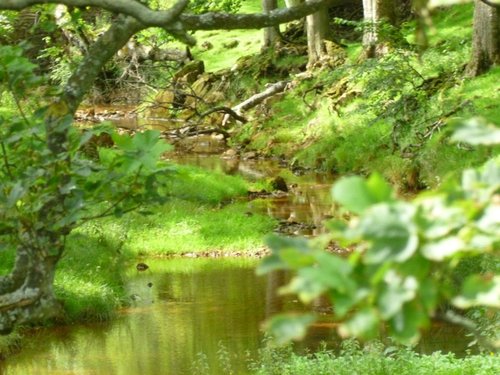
point(309, 204)
point(274, 301)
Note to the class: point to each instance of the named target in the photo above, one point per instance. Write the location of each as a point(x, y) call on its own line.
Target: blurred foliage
point(401, 270)
point(34, 179)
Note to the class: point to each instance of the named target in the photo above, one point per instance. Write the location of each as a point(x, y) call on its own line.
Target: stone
point(279, 183)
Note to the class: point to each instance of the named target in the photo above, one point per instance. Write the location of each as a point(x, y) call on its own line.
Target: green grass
point(373, 361)
point(370, 359)
point(89, 277)
point(196, 219)
point(220, 57)
point(195, 184)
point(188, 227)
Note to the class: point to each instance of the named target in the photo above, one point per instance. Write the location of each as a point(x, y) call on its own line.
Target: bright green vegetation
point(198, 217)
point(403, 267)
point(186, 227)
point(194, 219)
point(89, 281)
point(390, 115)
point(371, 360)
point(220, 56)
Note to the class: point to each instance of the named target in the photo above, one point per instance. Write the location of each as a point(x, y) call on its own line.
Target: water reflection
point(308, 202)
point(192, 307)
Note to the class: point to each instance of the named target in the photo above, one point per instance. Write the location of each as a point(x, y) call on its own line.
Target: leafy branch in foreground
point(48, 187)
point(401, 273)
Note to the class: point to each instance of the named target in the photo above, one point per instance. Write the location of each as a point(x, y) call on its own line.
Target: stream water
point(186, 311)
point(194, 308)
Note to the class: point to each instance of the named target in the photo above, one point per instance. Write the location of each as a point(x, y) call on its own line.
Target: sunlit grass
point(188, 227)
point(89, 277)
point(196, 265)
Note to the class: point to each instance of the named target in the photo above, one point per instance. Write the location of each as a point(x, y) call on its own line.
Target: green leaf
point(396, 292)
point(334, 272)
point(490, 220)
point(391, 231)
point(436, 218)
point(364, 324)
point(285, 328)
point(478, 290)
point(294, 252)
point(16, 193)
point(357, 194)
point(442, 249)
point(343, 303)
point(306, 285)
point(428, 291)
point(406, 324)
point(476, 131)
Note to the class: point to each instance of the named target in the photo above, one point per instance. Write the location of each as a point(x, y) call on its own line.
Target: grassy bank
point(204, 214)
point(198, 217)
point(392, 115)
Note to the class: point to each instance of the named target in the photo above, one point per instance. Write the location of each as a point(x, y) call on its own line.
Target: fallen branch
point(228, 112)
point(251, 102)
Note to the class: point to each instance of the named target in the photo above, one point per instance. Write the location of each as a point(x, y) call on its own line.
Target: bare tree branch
point(176, 23)
point(215, 21)
point(135, 9)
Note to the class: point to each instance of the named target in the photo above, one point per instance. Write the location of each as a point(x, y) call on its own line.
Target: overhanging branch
point(175, 22)
point(135, 9)
point(226, 21)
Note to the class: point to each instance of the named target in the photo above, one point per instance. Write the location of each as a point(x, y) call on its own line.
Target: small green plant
point(370, 359)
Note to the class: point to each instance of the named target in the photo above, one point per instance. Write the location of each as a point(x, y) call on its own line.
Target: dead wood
point(256, 99)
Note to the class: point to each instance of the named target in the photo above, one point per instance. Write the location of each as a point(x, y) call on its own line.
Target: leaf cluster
point(44, 191)
point(401, 271)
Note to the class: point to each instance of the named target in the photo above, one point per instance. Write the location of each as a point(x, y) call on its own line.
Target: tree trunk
point(26, 294)
point(376, 11)
point(486, 39)
point(317, 28)
point(271, 34)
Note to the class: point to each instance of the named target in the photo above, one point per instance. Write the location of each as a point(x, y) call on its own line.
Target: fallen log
point(272, 89)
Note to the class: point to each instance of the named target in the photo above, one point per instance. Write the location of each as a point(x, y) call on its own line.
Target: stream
point(187, 314)
point(194, 308)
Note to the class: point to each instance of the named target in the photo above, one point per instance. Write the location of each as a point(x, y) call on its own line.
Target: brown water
point(194, 307)
point(308, 202)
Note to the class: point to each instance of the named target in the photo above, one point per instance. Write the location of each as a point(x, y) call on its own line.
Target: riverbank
point(206, 213)
point(393, 115)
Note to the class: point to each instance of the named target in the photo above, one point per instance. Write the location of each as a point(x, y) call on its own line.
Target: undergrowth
point(391, 114)
point(371, 359)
